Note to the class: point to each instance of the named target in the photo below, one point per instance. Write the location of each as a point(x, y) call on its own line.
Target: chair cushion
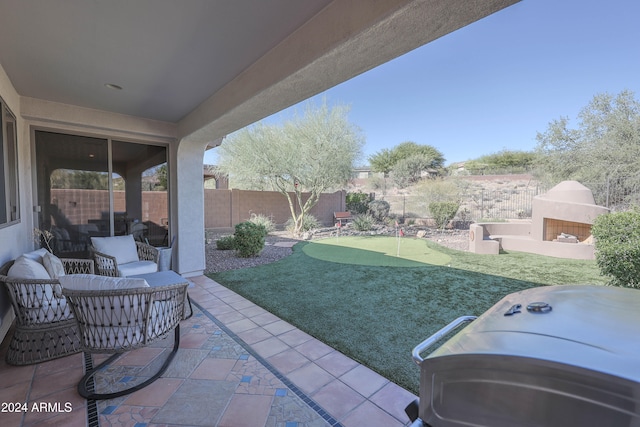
point(92, 282)
point(109, 322)
point(138, 267)
point(123, 248)
point(26, 268)
point(53, 265)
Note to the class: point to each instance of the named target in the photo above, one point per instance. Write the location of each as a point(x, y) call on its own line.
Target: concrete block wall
point(226, 208)
point(223, 208)
point(79, 206)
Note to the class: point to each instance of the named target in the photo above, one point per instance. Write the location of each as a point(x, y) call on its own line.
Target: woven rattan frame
point(107, 265)
point(36, 339)
point(119, 320)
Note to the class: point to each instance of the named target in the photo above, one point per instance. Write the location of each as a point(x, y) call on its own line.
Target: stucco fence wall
point(223, 208)
point(226, 208)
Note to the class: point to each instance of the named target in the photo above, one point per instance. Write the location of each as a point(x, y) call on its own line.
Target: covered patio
point(157, 82)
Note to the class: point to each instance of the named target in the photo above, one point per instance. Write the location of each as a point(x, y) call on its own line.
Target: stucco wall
point(15, 238)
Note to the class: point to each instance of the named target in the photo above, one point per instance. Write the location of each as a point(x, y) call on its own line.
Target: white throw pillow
point(37, 255)
point(53, 265)
point(123, 248)
point(27, 268)
point(91, 282)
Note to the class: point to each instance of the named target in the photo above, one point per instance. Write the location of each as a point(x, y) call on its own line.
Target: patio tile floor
point(237, 365)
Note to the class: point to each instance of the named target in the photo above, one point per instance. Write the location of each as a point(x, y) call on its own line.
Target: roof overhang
point(210, 67)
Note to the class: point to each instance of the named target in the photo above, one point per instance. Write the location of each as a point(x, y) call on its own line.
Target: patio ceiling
point(193, 62)
point(168, 56)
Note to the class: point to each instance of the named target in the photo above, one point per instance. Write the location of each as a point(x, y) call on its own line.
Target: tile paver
point(270, 347)
point(246, 411)
point(364, 380)
point(214, 369)
point(288, 360)
point(314, 349)
point(155, 394)
point(338, 396)
point(374, 416)
point(336, 363)
point(310, 378)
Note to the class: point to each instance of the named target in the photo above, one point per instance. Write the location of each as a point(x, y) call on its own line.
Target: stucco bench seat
point(44, 328)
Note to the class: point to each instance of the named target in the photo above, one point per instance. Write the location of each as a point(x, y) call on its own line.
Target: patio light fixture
point(113, 86)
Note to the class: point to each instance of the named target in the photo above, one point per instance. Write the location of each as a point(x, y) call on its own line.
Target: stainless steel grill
point(549, 356)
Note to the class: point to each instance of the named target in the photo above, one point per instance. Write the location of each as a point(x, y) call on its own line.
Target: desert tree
point(409, 149)
point(505, 161)
point(409, 170)
point(382, 162)
point(402, 160)
point(604, 146)
point(310, 154)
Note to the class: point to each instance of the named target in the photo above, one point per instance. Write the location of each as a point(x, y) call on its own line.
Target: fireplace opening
point(553, 228)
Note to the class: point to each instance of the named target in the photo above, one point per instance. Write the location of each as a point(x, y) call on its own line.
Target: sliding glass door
point(90, 186)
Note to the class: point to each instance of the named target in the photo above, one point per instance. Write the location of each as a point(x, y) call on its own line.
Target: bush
point(363, 222)
point(443, 212)
point(249, 239)
point(263, 220)
point(309, 222)
point(225, 243)
point(617, 244)
point(379, 209)
point(358, 203)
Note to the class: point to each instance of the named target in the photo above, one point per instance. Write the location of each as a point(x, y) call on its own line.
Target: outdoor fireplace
point(567, 209)
point(560, 226)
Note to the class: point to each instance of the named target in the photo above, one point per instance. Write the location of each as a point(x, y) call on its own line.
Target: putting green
point(376, 251)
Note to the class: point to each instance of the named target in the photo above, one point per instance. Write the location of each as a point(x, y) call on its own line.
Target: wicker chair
point(107, 264)
point(45, 328)
point(118, 320)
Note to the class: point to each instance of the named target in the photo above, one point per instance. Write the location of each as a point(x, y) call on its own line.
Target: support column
point(187, 207)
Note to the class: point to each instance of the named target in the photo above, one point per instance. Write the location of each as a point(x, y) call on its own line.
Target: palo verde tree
point(604, 145)
point(302, 158)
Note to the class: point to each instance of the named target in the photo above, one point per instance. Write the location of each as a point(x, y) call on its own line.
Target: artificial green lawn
point(377, 314)
point(377, 251)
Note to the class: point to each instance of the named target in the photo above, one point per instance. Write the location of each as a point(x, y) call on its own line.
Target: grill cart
point(556, 356)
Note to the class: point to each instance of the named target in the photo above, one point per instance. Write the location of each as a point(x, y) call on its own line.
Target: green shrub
point(617, 244)
point(249, 239)
point(363, 222)
point(263, 220)
point(358, 203)
point(309, 222)
point(379, 209)
point(225, 243)
point(443, 212)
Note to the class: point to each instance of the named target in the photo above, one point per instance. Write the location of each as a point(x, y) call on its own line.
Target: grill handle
point(429, 342)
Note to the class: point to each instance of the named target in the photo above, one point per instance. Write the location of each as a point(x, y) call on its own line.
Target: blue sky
point(497, 82)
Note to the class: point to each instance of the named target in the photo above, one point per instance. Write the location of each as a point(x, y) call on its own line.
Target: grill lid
point(593, 327)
